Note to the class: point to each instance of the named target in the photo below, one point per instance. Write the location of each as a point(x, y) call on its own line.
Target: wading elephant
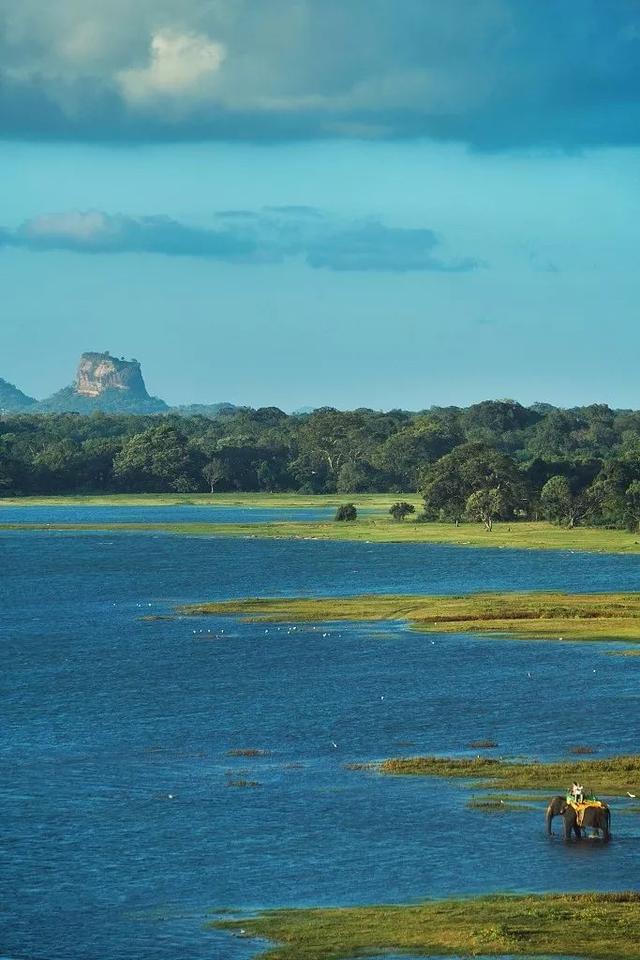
point(595, 818)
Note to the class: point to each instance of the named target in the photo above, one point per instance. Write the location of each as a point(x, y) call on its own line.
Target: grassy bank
point(614, 776)
point(592, 925)
point(606, 616)
point(282, 501)
point(373, 529)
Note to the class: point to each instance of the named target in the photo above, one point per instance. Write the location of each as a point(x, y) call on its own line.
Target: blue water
point(121, 831)
point(177, 513)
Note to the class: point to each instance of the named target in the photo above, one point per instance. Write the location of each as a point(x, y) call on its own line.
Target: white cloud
point(179, 65)
point(75, 225)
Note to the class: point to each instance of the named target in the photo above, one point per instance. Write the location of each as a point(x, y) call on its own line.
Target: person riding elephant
point(595, 815)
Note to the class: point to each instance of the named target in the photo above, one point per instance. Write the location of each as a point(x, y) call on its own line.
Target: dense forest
point(493, 460)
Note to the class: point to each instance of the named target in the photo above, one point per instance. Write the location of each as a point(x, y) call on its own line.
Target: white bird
point(632, 795)
point(334, 744)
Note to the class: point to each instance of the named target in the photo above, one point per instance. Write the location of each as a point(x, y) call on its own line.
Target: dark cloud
point(491, 73)
point(271, 235)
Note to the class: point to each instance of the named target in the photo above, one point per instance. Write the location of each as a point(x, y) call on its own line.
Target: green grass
point(614, 776)
point(373, 528)
point(606, 616)
point(375, 501)
point(598, 926)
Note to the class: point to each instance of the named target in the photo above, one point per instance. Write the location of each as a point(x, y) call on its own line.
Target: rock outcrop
point(100, 372)
point(105, 383)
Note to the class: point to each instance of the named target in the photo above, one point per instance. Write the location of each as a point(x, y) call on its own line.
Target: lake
point(124, 819)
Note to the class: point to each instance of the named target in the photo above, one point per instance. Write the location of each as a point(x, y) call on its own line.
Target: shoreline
point(525, 535)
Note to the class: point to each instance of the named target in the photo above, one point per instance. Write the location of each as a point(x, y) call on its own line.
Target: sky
point(383, 203)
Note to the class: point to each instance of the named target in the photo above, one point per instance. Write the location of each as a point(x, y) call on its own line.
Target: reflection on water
point(126, 819)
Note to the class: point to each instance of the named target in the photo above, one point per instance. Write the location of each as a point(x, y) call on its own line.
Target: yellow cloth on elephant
point(581, 807)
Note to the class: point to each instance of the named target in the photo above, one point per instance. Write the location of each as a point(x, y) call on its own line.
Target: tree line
point(493, 460)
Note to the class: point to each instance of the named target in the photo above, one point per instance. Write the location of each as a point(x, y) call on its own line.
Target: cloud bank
point(272, 235)
point(491, 73)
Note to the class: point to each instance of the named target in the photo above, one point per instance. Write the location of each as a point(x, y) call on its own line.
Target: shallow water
point(121, 830)
point(180, 513)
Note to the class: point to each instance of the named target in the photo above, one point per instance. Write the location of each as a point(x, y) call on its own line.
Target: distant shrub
point(346, 511)
point(401, 509)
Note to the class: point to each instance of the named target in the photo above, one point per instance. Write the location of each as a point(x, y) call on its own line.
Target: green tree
point(420, 443)
point(447, 485)
point(560, 504)
point(401, 509)
point(159, 460)
point(632, 503)
point(346, 512)
point(486, 506)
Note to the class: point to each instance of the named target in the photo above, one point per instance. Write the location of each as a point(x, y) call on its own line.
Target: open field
point(554, 616)
point(589, 925)
point(613, 776)
point(381, 529)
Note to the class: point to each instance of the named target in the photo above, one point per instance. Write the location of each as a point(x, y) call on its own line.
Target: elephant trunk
point(549, 818)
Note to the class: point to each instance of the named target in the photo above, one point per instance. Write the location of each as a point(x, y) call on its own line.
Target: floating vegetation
point(483, 744)
point(248, 752)
point(243, 784)
point(582, 750)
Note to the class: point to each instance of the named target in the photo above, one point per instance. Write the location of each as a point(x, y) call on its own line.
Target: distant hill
point(13, 400)
point(68, 400)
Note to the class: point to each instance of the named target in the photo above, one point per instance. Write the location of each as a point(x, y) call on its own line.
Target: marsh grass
point(248, 752)
point(589, 925)
point(614, 776)
point(496, 805)
point(582, 750)
point(483, 744)
point(371, 528)
point(553, 616)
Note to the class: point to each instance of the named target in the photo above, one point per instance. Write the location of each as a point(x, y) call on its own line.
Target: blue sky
point(316, 203)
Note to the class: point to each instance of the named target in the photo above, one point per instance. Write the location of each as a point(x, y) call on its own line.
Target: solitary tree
point(346, 511)
point(485, 505)
point(401, 509)
point(214, 472)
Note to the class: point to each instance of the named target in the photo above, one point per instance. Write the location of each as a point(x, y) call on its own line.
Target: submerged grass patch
point(614, 776)
point(589, 925)
point(558, 616)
